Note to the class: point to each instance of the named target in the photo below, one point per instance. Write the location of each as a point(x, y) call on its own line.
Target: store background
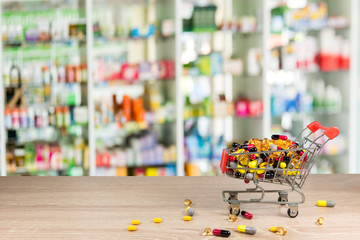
point(121, 88)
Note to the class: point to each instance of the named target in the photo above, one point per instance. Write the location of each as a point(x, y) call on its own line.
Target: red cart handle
point(224, 160)
point(331, 132)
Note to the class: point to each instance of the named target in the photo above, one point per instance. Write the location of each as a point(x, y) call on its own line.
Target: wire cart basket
point(287, 167)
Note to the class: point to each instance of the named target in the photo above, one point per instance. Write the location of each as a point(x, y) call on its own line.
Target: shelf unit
point(112, 140)
point(234, 86)
point(46, 123)
point(236, 45)
point(343, 80)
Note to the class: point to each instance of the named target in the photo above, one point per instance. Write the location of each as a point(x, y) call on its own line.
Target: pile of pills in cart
point(246, 155)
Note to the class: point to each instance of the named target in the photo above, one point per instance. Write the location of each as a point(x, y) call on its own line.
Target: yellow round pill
point(135, 222)
point(132, 228)
point(157, 220)
point(187, 218)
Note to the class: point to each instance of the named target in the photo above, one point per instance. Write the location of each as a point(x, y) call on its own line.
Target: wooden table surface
point(103, 207)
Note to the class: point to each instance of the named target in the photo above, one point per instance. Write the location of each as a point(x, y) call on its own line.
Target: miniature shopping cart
point(307, 144)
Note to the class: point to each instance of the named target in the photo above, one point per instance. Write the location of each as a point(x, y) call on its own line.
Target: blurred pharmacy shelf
point(134, 110)
point(312, 72)
point(168, 89)
point(44, 82)
point(222, 51)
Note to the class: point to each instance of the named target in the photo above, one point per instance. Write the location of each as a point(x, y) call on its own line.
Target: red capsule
point(253, 157)
point(232, 158)
point(283, 137)
point(279, 148)
point(261, 175)
point(246, 181)
point(276, 137)
point(221, 233)
point(246, 214)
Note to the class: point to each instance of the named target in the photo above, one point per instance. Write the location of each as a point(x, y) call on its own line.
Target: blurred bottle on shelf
point(60, 159)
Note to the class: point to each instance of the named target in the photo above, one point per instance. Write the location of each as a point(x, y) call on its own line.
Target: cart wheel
point(279, 200)
point(293, 214)
point(235, 212)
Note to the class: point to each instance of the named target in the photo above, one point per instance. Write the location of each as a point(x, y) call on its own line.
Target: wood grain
point(103, 207)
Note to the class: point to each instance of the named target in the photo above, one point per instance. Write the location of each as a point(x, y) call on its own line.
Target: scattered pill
point(190, 211)
point(278, 230)
point(132, 228)
point(247, 229)
point(135, 222)
point(157, 220)
point(207, 232)
point(320, 221)
point(187, 218)
point(221, 233)
point(281, 231)
point(324, 203)
point(232, 218)
point(273, 229)
point(188, 202)
point(246, 214)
